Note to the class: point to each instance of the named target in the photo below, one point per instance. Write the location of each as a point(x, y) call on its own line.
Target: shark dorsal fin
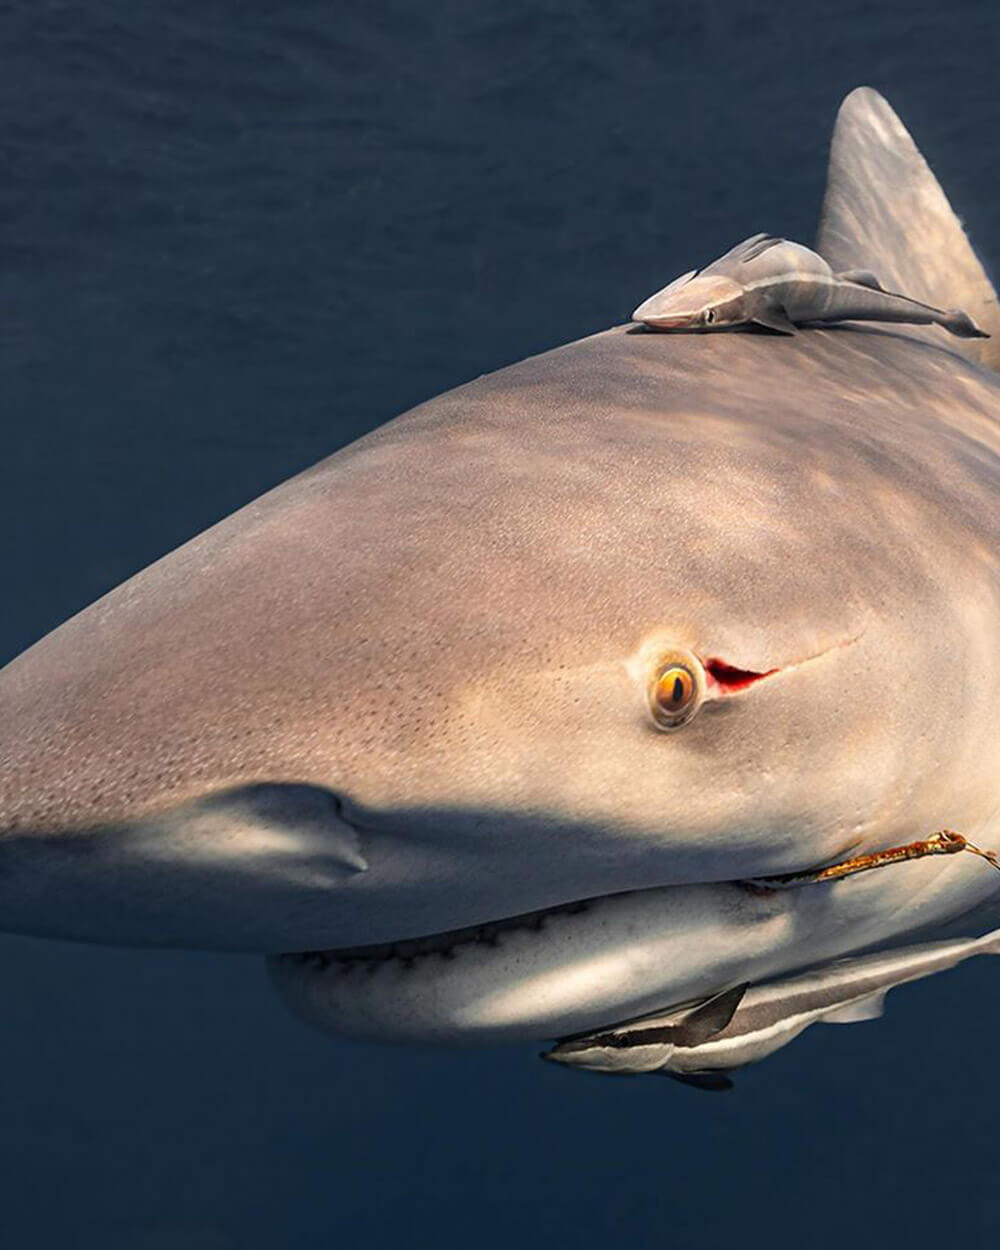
point(885, 211)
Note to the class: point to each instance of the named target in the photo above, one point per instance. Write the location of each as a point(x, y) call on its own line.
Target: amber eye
point(675, 692)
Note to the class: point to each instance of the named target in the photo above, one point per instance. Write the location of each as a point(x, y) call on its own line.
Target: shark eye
point(676, 691)
point(709, 316)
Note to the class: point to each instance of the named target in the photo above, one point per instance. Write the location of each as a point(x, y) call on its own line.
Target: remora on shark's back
point(777, 284)
point(591, 642)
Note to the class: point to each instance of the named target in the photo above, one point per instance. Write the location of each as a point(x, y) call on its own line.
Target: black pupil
point(678, 690)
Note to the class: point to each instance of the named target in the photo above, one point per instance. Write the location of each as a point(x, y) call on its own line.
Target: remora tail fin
point(885, 211)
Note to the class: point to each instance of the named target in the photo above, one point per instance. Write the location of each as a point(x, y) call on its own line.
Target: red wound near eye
point(730, 679)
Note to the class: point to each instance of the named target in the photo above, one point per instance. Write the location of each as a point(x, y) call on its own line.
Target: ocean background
point(233, 237)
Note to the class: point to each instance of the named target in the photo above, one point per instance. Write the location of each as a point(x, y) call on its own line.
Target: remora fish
point(777, 284)
point(741, 1026)
point(435, 682)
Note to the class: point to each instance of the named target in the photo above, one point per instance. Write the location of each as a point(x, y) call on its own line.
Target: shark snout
point(255, 867)
point(149, 797)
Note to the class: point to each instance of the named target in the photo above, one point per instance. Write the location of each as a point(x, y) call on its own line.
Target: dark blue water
point(232, 238)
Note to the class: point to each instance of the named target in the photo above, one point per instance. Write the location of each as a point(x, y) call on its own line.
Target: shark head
point(706, 301)
point(629, 621)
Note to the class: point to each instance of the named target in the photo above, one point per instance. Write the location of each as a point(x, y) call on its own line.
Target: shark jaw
point(596, 962)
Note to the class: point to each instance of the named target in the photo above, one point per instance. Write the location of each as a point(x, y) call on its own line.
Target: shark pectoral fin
point(715, 1082)
point(863, 277)
point(710, 1018)
point(775, 319)
point(869, 1008)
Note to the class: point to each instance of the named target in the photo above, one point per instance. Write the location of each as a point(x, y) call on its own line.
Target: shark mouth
point(541, 974)
point(409, 952)
point(550, 973)
point(559, 970)
point(722, 679)
point(596, 963)
point(599, 962)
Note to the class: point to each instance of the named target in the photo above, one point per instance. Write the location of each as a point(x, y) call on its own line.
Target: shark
point(537, 708)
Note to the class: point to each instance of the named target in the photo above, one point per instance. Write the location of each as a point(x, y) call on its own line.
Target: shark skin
point(407, 693)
